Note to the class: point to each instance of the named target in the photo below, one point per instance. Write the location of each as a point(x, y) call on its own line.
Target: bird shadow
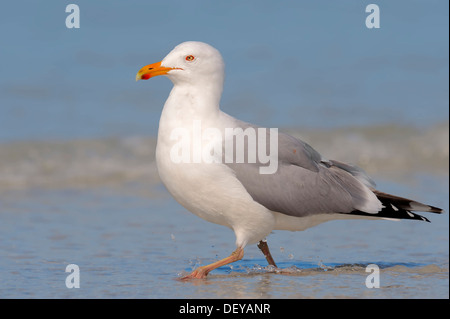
point(258, 267)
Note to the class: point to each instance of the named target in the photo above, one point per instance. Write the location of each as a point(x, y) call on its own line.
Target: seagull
point(238, 185)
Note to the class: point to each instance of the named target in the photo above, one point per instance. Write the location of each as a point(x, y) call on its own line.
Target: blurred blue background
point(289, 64)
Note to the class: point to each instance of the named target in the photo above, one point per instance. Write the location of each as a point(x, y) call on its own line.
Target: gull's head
point(189, 62)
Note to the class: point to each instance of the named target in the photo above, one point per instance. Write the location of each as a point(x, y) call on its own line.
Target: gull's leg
point(202, 271)
point(262, 245)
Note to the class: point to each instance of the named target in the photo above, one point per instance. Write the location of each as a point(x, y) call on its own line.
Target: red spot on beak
point(145, 76)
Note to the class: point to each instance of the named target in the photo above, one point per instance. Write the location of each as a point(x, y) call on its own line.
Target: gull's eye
point(190, 58)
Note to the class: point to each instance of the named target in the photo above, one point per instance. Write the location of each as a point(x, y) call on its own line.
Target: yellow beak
point(152, 70)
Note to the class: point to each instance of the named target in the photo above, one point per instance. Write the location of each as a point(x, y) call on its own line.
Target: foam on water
point(77, 163)
point(380, 150)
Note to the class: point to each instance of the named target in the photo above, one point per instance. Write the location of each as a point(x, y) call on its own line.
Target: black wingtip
point(436, 210)
point(406, 204)
point(391, 213)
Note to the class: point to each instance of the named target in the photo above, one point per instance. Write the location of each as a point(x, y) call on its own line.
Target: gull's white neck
point(194, 97)
point(188, 102)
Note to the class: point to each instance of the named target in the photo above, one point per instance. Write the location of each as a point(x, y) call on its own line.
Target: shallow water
point(130, 239)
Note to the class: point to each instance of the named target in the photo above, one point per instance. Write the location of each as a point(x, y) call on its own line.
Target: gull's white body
point(196, 185)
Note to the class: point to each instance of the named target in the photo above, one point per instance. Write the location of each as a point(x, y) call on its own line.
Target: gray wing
point(304, 183)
